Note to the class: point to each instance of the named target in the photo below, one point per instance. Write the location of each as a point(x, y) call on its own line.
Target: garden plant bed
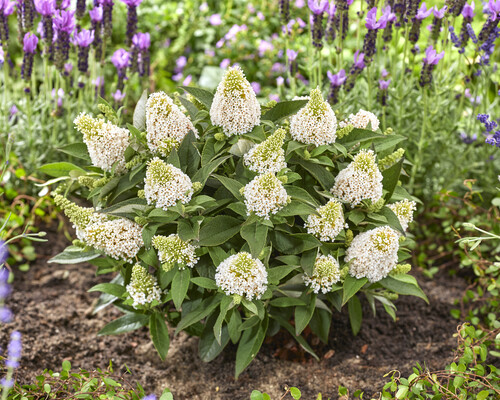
point(53, 311)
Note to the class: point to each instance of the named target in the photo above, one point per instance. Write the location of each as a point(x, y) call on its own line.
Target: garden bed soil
point(53, 311)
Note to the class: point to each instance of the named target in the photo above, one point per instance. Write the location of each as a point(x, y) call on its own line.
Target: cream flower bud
point(315, 123)
point(328, 224)
point(235, 107)
point(373, 254)
point(166, 125)
point(105, 142)
point(404, 211)
point(360, 180)
point(242, 275)
point(361, 120)
point(265, 195)
point(165, 184)
point(172, 249)
point(143, 287)
point(325, 274)
point(267, 156)
point(120, 238)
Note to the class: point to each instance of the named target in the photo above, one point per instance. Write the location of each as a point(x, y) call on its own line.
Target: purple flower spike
point(423, 12)
point(132, 3)
point(215, 20)
point(30, 42)
point(120, 59)
point(291, 54)
point(96, 14)
point(337, 79)
point(494, 7)
point(432, 57)
point(45, 7)
point(318, 6)
point(84, 38)
point(64, 21)
point(439, 13)
point(118, 96)
point(468, 10)
point(371, 19)
point(384, 85)
point(6, 7)
point(359, 58)
point(142, 40)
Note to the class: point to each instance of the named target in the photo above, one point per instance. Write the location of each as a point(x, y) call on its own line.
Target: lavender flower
point(121, 60)
point(317, 7)
point(118, 96)
point(46, 8)
point(64, 24)
point(342, 19)
point(131, 18)
point(422, 13)
point(468, 139)
point(456, 7)
point(30, 42)
point(492, 22)
point(6, 9)
point(383, 85)
point(80, 8)
point(96, 16)
point(430, 61)
point(83, 40)
point(437, 22)
point(336, 81)
point(25, 16)
point(284, 7)
point(14, 350)
point(107, 16)
point(369, 44)
point(141, 44)
point(357, 66)
point(292, 61)
point(215, 20)
point(331, 23)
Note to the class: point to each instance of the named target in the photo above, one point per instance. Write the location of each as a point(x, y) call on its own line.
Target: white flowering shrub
point(230, 220)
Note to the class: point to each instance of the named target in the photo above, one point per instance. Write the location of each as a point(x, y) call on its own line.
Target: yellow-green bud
point(242, 191)
point(101, 182)
point(400, 269)
point(402, 239)
point(220, 137)
point(307, 155)
point(198, 104)
point(343, 132)
point(344, 272)
point(197, 186)
point(391, 159)
point(134, 161)
point(391, 296)
point(167, 266)
point(108, 113)
point(349, 236)
point(237, 299)
point(141, 194)
point(141, 220)
point(377, 206)
point(283, 179)
point(271, 103)
point(388, 131)
point(78, 243)
point(86, 181)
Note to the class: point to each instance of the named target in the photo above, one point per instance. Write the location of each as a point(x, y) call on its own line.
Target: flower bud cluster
point(404, 211)
point(267, 156)
point(361, 120)
point(143, 287)
point(325, 274)
point(165, 184)
point(173, 250)
point(373, 254)
point(360, 180)
point(242, 275)
point(166, 125)
point(105, 142)
point(328, 222)
point(265, 195)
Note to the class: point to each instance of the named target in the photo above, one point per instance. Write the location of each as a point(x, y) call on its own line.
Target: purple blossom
point(14, 350)
point(468, 10)
point(215, 20)
point(118, 96)
point(30, 42)
point(256, 87)
point(471, 33)
point(261, 16)
point(96, 14)
point(337, 79)
point(45, 7)
point(180, 63)
point(384, 73)
point(225, 63)
point(371, 19)
point(439, 13)
point(432, 57)
point(331, 9)
point(300, 3)
point(318, 7)
point(274, 97)
point(177, 77)
point(132, 3)
point(301, 22)
point(291, 54)
point(187, 80)
point(494, 8)
point(142, 40)
point(149, 397)
point(13, 111)
point(6, 7)
point(84, 38)
point(120, 59)
point(468, 139)
point(280, 81)
point(384, 85)
point(423, 12)
point(204, 7)
point(359, 60)
point(68, 67)
point(264, 47)
point(5, 315)
point(64, 21)
point(4, 272)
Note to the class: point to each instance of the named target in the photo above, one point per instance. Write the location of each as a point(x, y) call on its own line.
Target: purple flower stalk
point(400, 10)
point(342, 18)
point(383, 86)
point(369, 44)
point(64, 24)
point(437, 22)
point(430, 61)
point(121, 60)
point(292, 61)
point(336, 81)
point(131, 18)
point(455, 7)
point(14, 350)
point(107, 16)
point(411, 9)
point(331, 23)
point(83, 40)
point(6, 9)
point(422, 13)
point(284, 7)
point(492, 22)
point(141, 43)
point(96, 15)
point(467, 139)
point(25, 16)
point(30, 42)
point(357, 66)
point(118, 96)
point(317, 7)
point(47, 8)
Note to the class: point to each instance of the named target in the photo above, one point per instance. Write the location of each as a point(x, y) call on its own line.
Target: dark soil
point(53, 311)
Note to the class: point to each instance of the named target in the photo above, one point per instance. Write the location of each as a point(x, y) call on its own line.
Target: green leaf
point(167, 395)
point(126, 323)
point(113, 289)
point(249, 345)
point(303, 343)
point(189, 155)
point(256, 395)
point(205, 308)
point(241, 147)
point(320, 324)
point(318, 172)
point(126, 208)
point(233, 325)
point(392, 219)
point(355, 314)
point(284, 109)
point(295, 393)
point(482, 395)
point(274, 275)
point(77, 150)
point(173, 158)
point(159, 334)
point(206, 283)
point(255, 235)
point(296, 208)
point(69, 256)
point(303, 314)
point(295, 243)
point(232, 185)
point(218, 230)
point(204, 96)
point(351, 287)
point(405, 285)
point(359, 136)
point(190, 107)
point(301, 194)
point(225, 305)
point(287, 302)
point(208, 347)
point(59, 169)
point(308, 260)
point(140, 112)
point(390, 178)
point(205, 171)
point(180, 286)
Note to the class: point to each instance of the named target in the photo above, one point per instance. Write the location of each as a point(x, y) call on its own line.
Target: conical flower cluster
point(165, 185)
point(404, 210)
point(326, 273)
point(315, 123)
point(360, 180)
point(166, 125)
point(120, 238)
point(361, 120)
point(80, 217)
point(143, 287)
point(105, 142)
point(373, 254)
point(173, 250)
point(235, 107)
point(242, 275)
point(328, 224)
point(265, 195)
point(267, 156)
